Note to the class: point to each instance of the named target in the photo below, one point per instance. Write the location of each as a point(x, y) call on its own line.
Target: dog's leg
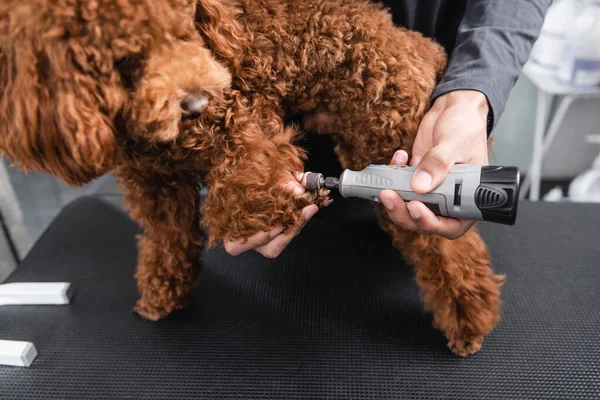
point(169, 249)
point(456, 281)
point(455, 277)
point(378, 112)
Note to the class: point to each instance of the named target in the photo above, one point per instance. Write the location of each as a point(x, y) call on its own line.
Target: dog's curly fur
point(95, 86)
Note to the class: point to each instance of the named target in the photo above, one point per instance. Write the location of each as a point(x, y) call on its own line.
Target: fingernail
point(308, 214)
point(416, 160)
point(414, 211)
point(400, 158)
point(387, 203)
point(275, 232)
point(298, 176)
point(422, 181)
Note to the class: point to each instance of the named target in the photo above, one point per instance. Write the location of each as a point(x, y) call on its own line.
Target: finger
point(400, 158)
point(433, 168)
point(276, 246)
point(294, 186)
point(424, 139)
point(396, 209)
point(429, 223)
point(235, 248)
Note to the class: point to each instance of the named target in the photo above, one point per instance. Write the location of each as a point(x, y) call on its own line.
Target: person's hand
point(452, 132)
point(271, 244)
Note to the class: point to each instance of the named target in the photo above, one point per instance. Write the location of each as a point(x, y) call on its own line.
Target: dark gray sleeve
point(493, 43)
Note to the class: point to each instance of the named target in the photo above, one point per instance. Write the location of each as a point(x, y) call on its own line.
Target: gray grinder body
point(468, 192)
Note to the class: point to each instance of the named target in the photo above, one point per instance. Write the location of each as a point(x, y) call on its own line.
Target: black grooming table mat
point(336, 316)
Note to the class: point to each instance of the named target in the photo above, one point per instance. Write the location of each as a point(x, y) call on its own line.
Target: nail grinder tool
point(488, 193)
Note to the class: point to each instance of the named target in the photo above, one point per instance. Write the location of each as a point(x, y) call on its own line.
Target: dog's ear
point(217, 21)
point(56, 112)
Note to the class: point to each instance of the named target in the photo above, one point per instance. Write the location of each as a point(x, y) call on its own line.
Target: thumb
point(431, 162)
point(433, 168)
point(424, 139)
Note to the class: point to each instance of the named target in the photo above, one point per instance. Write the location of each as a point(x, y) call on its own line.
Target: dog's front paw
point(237, 212)
point(466, 346)
point(320, 198)
point(155, 313)
point(148, 311)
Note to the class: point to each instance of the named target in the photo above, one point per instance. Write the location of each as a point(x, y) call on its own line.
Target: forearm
point(493, 43)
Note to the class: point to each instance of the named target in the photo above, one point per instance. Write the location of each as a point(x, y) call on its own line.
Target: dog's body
point(89, 87)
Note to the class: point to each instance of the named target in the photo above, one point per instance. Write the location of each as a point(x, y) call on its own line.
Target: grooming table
point(337, 315)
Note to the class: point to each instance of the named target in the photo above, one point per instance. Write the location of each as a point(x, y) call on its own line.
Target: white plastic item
point(580, 65)
point(35, 293)
point(547, 51)
point(16, 353)
point(554, 195)
point(585, 188)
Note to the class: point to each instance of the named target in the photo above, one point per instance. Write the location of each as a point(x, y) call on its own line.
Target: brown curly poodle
point(170, 95)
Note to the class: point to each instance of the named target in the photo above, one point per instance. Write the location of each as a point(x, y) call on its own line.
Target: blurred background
point(551, 130)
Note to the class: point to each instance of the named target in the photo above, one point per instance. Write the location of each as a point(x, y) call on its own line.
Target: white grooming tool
point(35, 293)
point(16, 353)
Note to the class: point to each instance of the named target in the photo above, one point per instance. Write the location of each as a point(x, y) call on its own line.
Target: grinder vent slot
point(486, 197)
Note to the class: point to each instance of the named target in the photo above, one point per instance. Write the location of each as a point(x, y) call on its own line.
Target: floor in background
point(42, 196)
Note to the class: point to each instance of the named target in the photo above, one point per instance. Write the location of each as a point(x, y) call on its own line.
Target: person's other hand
point(452, 132)
point(271, 244)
